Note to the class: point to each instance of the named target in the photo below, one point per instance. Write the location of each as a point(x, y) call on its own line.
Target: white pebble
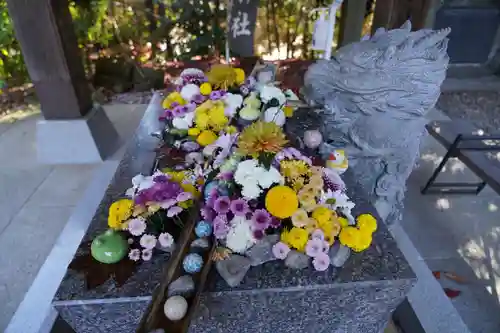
point(175, 308)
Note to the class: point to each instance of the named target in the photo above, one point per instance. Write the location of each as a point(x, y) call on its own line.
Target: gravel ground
point(480, 107)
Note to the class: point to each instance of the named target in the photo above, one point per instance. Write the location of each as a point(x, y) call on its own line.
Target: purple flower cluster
point(163, 189)
point(217, 94)
point(199, 98)
point(193, 78)
point(177, 110)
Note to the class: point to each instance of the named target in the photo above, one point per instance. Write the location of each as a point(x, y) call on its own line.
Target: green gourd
point(109, 247)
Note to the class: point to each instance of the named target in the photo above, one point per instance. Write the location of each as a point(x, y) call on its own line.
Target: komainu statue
point(373, 96)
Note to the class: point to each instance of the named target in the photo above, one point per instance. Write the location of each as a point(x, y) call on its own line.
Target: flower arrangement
point(249, 183)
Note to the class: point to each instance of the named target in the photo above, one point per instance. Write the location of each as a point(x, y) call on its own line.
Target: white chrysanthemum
point(269, 177)
point(269, 92)
point(137, 226)
point(240, 237)
point(251, 191)
point(189, 91)
point(139, 183)
point(184, 122)
point(245, 169)
point(275, 115)
point(165, 239)
point(233, 102)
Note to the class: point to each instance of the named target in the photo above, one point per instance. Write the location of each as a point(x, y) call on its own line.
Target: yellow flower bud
point(205, 89)
point(206, 137)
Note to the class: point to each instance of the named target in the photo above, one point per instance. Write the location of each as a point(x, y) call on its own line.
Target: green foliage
point(12, 68)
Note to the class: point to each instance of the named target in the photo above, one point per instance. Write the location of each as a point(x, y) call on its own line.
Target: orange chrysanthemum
point(261, 137)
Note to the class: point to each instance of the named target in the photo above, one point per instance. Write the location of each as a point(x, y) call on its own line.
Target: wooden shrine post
point(73, 130)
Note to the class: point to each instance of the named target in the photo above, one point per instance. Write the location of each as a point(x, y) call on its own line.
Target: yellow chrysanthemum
point(194, 131)
point(240, 75)
point(297, 238)
point(205, 89)
point(222, 76)
point(349, 236)
point(206, 138)
point(201, 119)
point(294, 169)
point(322, 214)
point(366, 222)
point(119, 212)
point(363, 242)
point(261, 137)
point(331, 227)
point(171, 98)
point(343, 222)
point(281, 201)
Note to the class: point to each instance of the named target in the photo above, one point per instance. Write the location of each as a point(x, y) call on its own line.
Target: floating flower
point(261, 137)
point(239, 207)
point(148, 241)
point(314, 247)
point(165, 239)
point(174, 211)
point(281, 201)
point(147, 254)
point(366, 222)
point(134, 254)
point(300, 218)
point(280, 250)
point(137, 226)
point(261, 219)
point(222, 205)
point(321, 262)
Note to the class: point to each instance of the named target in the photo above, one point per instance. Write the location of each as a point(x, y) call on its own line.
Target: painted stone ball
point(203, 229)
point(192, 263)
point(175, 308)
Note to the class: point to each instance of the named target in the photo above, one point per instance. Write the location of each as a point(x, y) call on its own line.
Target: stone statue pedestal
point(359, 297)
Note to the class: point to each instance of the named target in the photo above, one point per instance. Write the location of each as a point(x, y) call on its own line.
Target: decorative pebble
point(175, 308)
point(182, 286)
point(312, 138)
point(192, 263)
point(201, 243)
point(203, 229)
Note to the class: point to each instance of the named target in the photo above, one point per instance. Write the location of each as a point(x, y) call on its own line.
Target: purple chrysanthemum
point(173, 211)
point(280, 250)
point(220, 227)
point(258, 234)
point(207, 213)
point(174, 104)
point(216, 94)
point(261, 219)
point(222, 205)
point(321, 262)
point(199, 98)
point(167, 114)
point(179, 111)
point(275, 222)
point(314, 247)
point(239, 207)
point(160, 179)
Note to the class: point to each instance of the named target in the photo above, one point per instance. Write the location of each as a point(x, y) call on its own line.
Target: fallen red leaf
point(454, 277)
point(437, 274)
point(451, 293)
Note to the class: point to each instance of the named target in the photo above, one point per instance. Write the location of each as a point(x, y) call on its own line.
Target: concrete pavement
point(37, 200)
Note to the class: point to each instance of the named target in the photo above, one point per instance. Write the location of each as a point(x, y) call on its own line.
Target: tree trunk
point(268, 25)
point(275, 24)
